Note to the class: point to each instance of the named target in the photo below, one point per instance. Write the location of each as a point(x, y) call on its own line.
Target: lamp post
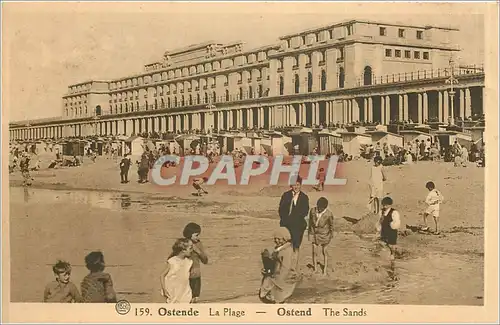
point(452, 81)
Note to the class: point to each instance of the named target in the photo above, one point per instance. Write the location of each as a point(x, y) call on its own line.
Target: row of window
point(320, 36)
point(321, 59)
point(417, 55)
point(174, 89)
point(180, 101)
point(249, 75)
point(187, 71)
point(81, 88)
point(419, 34)
point(76, 111)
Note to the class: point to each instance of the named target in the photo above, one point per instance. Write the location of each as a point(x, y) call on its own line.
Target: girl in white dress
point(175, 278)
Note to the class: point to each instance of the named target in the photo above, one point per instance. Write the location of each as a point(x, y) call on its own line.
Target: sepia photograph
point(180, 153)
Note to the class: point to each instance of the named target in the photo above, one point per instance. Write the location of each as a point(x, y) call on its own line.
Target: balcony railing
point(420, 75)
point(245, 95)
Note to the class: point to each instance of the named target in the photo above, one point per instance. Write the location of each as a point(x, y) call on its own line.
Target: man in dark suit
point(293, 209)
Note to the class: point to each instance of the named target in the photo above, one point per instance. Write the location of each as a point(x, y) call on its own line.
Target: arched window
point(126, 107)
point(183, 103)
point(241, 93)
point(168, 102)
point(259, 91)
point(323, 80)
point(190, 99)
point(137, 105)
point(214, 96)
point(367, 76)
point(156, 104)
point(147, 106)
point(282, 85)
point(297, 84)
point(206, 98)
point(250, 92)
point(197, 99)
point(97, 110)
point(227, 95)
point(132, 106)
point(162, 103)
point(121, 109)
point(309, 82)
point(341, 77)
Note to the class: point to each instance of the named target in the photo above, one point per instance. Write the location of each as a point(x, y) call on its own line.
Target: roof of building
point(383, 132)
point(354, 133)
point(364, 21)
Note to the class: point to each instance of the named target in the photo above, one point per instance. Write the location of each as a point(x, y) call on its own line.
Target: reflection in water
point(26, 195)
point(104, 200)
point(125, 201)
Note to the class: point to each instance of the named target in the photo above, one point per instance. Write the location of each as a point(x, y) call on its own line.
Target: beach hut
point(305, 140)
point(73, 148)
point(185, 140)
point(352, 142)
point(391, 139)
point(329, 142)
point(256, 143)
point(413, 135)
point(277, 146)
point(447, 138)
point(134, 146)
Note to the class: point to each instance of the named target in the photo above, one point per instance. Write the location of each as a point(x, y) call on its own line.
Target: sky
point(48, 46)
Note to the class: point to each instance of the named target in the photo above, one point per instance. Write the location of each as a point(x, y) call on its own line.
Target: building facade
point(354, 71)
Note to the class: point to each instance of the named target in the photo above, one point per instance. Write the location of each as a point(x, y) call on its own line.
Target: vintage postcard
point(253, 162)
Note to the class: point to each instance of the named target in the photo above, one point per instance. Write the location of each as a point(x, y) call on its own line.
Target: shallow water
point(135, 233)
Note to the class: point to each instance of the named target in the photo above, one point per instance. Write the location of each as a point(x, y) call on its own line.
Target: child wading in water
point(321, 178)
point(433, 200)
point(197, 184)
point(174, 279)
point(192, 231)
point(62, 289)
point(321, 231)
point(377, 179)
point(97, 286)
point(388, 226)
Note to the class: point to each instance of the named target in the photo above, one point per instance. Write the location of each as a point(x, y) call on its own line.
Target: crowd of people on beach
point(180, 281)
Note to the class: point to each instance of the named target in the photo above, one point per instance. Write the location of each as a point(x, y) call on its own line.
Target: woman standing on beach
point(377, 179)
point(279, 284)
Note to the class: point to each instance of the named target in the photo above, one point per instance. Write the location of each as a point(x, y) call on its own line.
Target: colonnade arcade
point(421, 107)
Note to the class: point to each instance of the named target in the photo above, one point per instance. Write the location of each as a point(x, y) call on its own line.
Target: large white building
point(351, 71)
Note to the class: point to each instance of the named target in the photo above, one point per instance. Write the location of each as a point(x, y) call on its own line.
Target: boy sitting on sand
point(197, 184)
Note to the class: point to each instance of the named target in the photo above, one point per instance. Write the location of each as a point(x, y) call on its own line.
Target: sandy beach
point(70, 211)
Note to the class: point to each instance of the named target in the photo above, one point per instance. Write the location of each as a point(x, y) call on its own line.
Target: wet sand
point(71, 211)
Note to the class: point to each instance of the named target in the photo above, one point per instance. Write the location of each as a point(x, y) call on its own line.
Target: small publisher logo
point(122, 307)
